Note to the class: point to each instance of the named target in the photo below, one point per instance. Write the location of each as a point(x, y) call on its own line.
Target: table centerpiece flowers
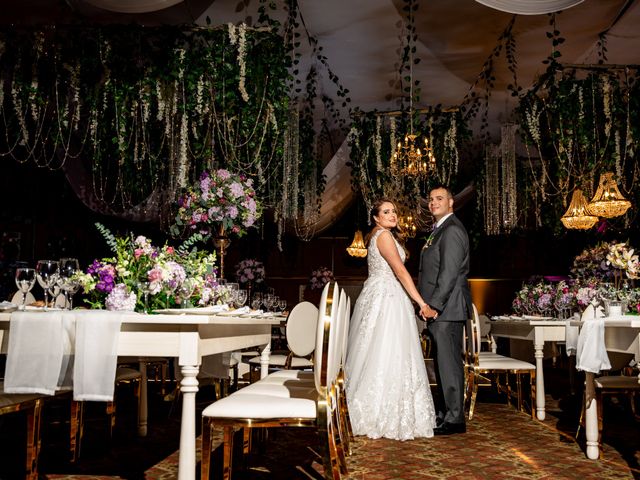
point(146, 276)
point(219, 199)
point(250, 271)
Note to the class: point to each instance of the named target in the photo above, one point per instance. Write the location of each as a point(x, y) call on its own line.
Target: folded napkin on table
point(40, 345)
point(209, 309)
point(571, 335)
point(97, 334)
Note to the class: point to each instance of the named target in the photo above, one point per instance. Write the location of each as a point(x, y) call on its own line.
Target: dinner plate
point(215, 310)
point(536, 317)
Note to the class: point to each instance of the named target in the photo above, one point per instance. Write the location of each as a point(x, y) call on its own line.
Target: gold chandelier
point(357, 247)
point(408, 225)
point(410, 161)
point(578, 215)
point(608, 202)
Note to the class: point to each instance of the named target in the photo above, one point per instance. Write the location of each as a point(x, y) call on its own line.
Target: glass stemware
point(145, 289)
point(47, 275)
point(185, 290)
point(282, 305)
point(67, 269)
point(241, 298)
point(25, 280)
point(256, 301)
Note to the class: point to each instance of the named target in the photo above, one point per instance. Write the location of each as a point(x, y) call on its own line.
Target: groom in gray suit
point(442, 281)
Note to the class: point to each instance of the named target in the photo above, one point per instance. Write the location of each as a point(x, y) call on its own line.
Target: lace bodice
point(376, 263)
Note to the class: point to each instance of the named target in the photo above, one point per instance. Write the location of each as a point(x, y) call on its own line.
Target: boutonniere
point(428, 241)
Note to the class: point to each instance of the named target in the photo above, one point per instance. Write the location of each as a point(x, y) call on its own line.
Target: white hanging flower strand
point(242, 47)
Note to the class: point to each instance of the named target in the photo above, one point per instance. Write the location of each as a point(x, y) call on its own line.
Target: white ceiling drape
point(530, 7)
point(133, 6)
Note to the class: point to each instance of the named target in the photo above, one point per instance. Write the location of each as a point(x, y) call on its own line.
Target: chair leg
point(532, 389)
point(474, 393)
point(33, 440)
point(111, 413)
point(519, 391)
point(227, 453)
point(206, 448)
point(76, 429)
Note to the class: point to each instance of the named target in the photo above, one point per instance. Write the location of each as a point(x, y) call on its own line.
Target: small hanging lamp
point(578, 215)
point(357, 248)
point(608, 202)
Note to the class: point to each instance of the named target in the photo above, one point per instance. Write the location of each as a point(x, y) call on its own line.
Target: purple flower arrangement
point(219, 198)
point(250, 270)
point(319, 278)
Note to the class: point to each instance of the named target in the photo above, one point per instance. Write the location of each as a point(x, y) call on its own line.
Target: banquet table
point(621, 334)
point(538, 332)
point(189, 337)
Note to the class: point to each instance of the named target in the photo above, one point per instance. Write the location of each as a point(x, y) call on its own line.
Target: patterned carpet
point(500, 443)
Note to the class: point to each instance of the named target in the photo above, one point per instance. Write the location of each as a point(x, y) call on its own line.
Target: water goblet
point(67, 269)
point(185, 290)
point(46, 273)
point(282, 305)
point(25, 280)
point(145, 288)
point(232, 289)
point(256, 301)
point(241, 298)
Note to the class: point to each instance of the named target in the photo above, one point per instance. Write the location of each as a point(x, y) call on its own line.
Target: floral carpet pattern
point(500, 443)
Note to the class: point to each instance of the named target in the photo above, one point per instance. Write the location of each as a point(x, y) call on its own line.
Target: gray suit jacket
point(444, 266)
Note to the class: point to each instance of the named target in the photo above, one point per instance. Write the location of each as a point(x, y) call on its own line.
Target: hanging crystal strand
point(509, 194)
point(491, 191)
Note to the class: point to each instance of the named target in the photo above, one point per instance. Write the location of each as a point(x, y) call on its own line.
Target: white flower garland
point(242, 51)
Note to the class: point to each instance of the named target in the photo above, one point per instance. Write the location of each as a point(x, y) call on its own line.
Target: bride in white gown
point(386, 380)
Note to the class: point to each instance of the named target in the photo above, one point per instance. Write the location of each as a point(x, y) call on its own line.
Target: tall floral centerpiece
point(219, 203)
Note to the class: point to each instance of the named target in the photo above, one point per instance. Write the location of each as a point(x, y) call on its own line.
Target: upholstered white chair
point(32, 404)
point(286, 402)
point(482, 364)
point(301, 337)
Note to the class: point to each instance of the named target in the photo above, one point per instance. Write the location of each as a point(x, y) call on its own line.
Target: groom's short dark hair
point(443, 187)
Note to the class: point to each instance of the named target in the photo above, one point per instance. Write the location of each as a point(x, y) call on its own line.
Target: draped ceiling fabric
point(362, 42)
point(133, 6)
point(530, 7)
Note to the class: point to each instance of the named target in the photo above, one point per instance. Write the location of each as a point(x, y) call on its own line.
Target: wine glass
point(185, 290)
point(232, 289)
point(25, 280)
point(282, 305)
point(68, 268)
point(241, 298)
point(145, 288)
point(46, 273)
point(256, 301)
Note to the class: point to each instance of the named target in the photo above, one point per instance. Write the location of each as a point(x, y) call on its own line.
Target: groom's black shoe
point(447, 428)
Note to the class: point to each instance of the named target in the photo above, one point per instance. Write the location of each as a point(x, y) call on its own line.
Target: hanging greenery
point(576, 124)
point(145, 109)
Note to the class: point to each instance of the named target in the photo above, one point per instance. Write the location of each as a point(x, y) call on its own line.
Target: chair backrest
point(473, 340)
point(336, 342)
point(302, 326)
point(345, 331)
point(327, 314)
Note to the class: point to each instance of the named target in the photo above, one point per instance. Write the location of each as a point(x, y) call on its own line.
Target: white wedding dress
point(386, 379)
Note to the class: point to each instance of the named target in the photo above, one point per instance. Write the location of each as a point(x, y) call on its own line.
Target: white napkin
point(571, 335)
point(40, 345)
point(591, 354)
point(97, 334)
point(237, 311)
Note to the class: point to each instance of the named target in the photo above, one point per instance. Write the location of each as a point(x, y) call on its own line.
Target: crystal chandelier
point(357, 248)
point(408, 225)
point(577, 215)
point(408, 160)
point(608, 202)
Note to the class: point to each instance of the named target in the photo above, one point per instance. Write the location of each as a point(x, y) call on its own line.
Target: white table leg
point(143, 407)
point(265, 356)
point(188, 387)
point(538, 345)
point(591, 421)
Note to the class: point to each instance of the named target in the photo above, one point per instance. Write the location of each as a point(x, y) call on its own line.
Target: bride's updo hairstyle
point(375, 212)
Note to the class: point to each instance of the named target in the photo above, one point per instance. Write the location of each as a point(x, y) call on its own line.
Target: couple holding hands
point(387, 386)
